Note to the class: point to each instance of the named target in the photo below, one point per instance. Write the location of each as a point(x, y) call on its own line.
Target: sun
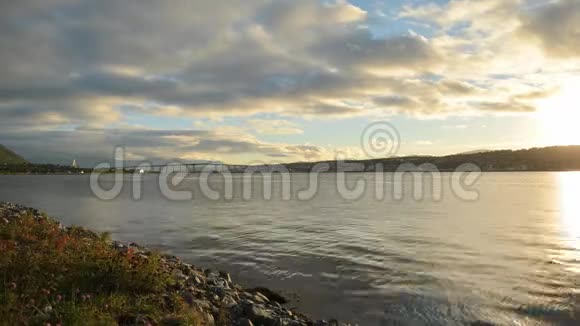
point(560, 115)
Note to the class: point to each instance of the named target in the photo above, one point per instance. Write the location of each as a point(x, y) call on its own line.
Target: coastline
point(209, 297)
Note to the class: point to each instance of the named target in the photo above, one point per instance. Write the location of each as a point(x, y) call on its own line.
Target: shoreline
point(208, 295)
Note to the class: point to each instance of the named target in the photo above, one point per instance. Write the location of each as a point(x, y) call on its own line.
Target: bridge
point(185, 167)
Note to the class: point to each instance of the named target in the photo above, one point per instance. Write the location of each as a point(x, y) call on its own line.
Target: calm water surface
point(511, 257)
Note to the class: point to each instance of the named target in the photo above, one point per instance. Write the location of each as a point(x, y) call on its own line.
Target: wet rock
point(271, 295)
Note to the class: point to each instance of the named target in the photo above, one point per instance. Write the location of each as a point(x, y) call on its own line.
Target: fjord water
point(510, 257)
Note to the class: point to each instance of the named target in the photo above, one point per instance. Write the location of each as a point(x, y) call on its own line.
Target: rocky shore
point(213, 295)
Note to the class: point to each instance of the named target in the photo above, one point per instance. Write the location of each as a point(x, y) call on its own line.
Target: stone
point(261, 296)
point(260, 315)
point(203, 304)
point(210, 320)
point(226, 276)
point(271, 295)
point(229, 302)
point(258, 299)
point(179, 275)
point(219, 291)
point(245, 322)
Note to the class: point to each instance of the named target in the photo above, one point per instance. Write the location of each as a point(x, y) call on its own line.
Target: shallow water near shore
point(512, 256)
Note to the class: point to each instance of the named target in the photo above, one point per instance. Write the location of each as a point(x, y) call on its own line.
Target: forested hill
point(560, 158)
point(9, 157)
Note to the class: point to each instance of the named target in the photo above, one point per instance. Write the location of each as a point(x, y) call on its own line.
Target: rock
point(229, 302)
point(245, 322)
point(260, 315)
point(284, 322)
point(257, 298)
point(271, 295)
point(144, 257)
point(219, 291)
point(210, 320)
point(262, 297)
point(203, 304)
point(226, 276)
point(5, 220)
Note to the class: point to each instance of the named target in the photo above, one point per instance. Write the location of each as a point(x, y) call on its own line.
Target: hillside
point(9, 157)
point(560, 158)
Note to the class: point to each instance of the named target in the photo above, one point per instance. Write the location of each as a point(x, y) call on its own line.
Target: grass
point(56, 276)
point(9, 157)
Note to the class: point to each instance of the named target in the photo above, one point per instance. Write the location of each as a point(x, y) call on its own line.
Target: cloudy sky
point(277, 81)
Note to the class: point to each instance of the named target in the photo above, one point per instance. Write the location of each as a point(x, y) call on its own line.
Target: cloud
point(79, 70)
point(288, 57)
point(274, 127)
point(93, 145)
point(556, 25)
point(395, 101)
point(479, 14)
point(512, 106)
point(536, 94)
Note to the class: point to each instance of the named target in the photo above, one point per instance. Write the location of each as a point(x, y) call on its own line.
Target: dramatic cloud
point(556, 25)
point(70, 68)
point(90, 146)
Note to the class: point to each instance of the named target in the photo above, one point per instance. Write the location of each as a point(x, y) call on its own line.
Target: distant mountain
point(559, 158)
point(9, 157)
point(476, 151)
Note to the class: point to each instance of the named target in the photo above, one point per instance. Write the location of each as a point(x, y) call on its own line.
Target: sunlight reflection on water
point(570, 217)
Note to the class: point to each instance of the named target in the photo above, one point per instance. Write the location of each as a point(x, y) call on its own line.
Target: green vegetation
point(9, 157)
point(71, 276)
point(40, 169)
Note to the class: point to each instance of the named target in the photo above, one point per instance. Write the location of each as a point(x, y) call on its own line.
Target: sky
point(260, 81)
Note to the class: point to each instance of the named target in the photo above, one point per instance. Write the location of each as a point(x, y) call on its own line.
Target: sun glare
point(570, 213)
point(560, 115)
